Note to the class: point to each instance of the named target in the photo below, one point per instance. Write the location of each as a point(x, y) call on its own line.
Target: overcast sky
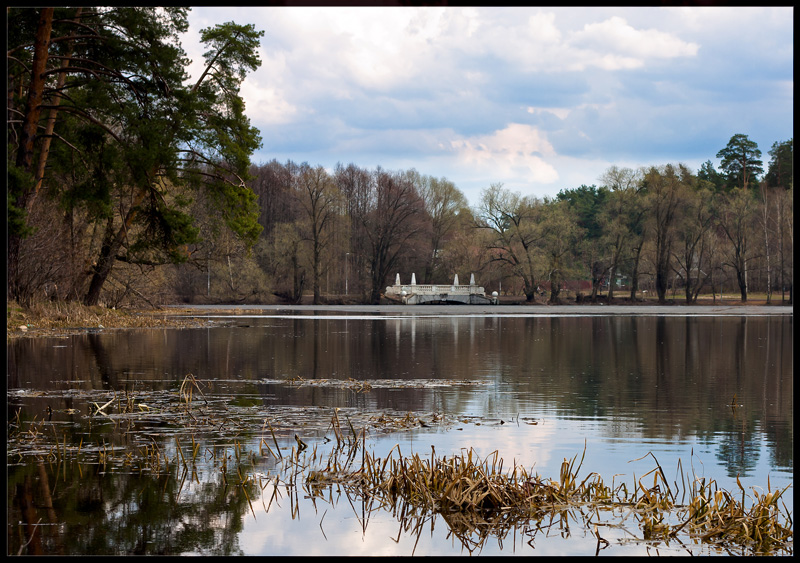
point(538, 99)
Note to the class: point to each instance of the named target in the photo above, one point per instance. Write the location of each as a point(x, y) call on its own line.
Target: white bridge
point(414, 294)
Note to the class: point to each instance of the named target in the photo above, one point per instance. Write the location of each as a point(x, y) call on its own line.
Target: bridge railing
point(424, 289)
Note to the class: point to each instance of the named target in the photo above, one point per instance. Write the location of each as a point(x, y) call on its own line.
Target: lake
point(171, 441)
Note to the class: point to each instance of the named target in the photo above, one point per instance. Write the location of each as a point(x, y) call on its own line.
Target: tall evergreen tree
point(741, 162)
point(130, 133)
point(780, 173)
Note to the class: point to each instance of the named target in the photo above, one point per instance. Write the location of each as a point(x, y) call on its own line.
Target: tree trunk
point(661, 286)
point(612, 274)
point(24, 158)
point(102, 268)
point(109, 250)
point(635, 273)
point(780, 251)
point(299, 279)
point(36, 92)
point(742, 280)
point(662, 270)
point(555, 287)
point(612, 271)
point(52, 115)
point(766, 244)
point(598, 273)
point(375, 292)
point(316, 273)
point(529, 289)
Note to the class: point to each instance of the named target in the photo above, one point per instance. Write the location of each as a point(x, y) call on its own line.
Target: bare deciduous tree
point(513, 222)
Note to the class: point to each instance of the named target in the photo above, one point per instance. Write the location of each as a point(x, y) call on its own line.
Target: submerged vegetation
point(188, 436)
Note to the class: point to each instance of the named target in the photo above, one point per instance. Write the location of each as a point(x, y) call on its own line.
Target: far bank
point(461, 310)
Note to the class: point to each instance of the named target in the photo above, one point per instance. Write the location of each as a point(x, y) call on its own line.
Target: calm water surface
point(709, 395)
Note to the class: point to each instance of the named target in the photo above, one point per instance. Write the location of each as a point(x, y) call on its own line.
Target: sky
point(537, 99)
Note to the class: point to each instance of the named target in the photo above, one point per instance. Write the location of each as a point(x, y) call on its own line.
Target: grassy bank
point(54, 318)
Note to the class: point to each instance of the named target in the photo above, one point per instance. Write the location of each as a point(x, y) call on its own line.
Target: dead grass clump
point(478, 499)
point(46, 317)
point(718, 516)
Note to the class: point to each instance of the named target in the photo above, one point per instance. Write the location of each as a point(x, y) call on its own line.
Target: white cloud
point(617, 42)
point(266, 105)
point(368, 46)
point(542, 27)
point(564, 112)
point(561, 113)
point(537, 42)
point(532, 43)
point(516, 150)
point(538, 99)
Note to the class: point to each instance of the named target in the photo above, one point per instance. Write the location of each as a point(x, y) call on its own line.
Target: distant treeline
point(664, 228)
point(342, 236)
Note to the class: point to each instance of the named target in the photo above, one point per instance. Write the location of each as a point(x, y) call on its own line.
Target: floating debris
point(368, 385)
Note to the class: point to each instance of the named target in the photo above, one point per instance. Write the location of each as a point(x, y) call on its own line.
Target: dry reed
point(477, 499)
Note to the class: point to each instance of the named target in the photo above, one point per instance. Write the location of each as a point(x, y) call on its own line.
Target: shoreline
point(484, 310)
point(60, 320)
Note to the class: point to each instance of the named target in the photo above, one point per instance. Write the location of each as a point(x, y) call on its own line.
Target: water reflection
point(674, 376)
point(716, 391)
point(91, 511)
